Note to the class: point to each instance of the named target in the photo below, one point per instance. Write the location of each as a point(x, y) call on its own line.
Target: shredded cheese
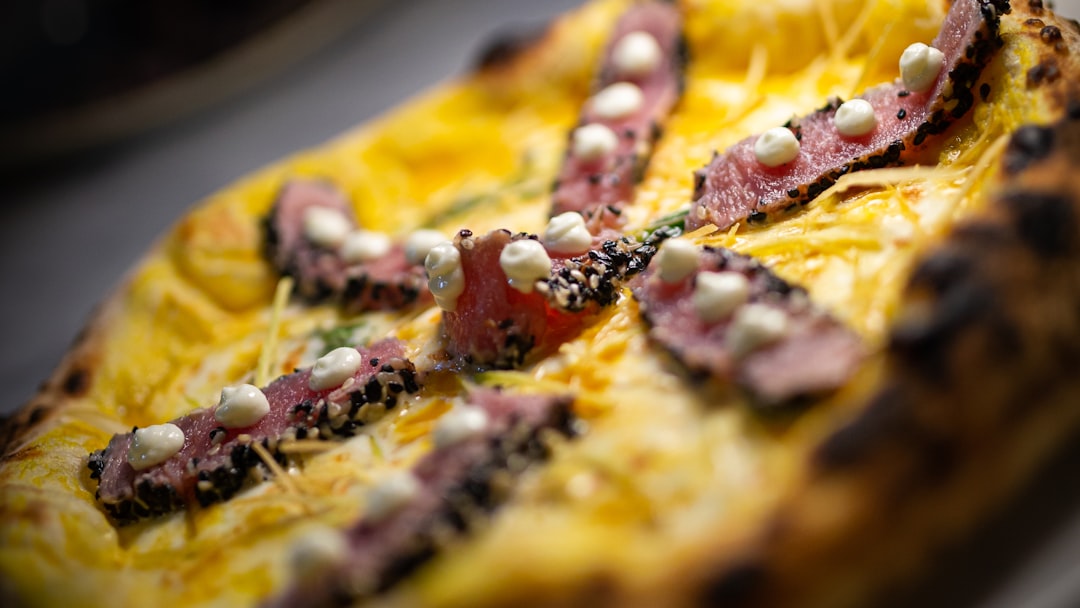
point(266, 356)
point(280, 475)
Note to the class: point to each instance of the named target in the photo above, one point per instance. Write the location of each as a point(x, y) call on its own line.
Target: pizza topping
point(459, 424)
point(389, 282)
point(919, 67)
point(496, 324)
point(593, 142)
point(524, 262)
point(734, 320)
point(775, 147)
point(676, 260)
point(446, 280)
point(457, 487)
point(216, 460)
point(154, 445)
point(754, 326)
point(318, 270)
point(391, 493)
point(365, 246)
point(855, 118)
point(319, 548)
point(567, 234)
point(325, 226)
point(763, 177)
point(419, 243)
point(638, 83)
point(636, 54)
point(333, 368)
point(311, 236)
point(595, 279)
point(617, 101)
point(718, 294)
point(492, 323)
point(241, 406)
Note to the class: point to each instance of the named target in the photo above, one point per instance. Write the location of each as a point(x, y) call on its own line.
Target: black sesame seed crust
point(233, 466)
point(596, 278)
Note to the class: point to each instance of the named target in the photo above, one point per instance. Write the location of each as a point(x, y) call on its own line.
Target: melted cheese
point(659, 471)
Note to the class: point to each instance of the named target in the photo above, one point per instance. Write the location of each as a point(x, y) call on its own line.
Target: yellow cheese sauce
point(663, 467)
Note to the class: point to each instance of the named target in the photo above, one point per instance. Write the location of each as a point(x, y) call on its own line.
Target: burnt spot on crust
point(850, 444)
point(1050, 34)
point(736, 585)
point(1045, 222)
point(1027, 145)
point(76, 382)
point(1046, 71)
point(505, 47)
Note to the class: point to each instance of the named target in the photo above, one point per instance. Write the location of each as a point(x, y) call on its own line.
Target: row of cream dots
point(722, 295)
point(636, 54)
point(524, 262)
point(919, 68)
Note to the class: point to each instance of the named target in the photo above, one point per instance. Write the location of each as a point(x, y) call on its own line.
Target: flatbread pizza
point(695, 303)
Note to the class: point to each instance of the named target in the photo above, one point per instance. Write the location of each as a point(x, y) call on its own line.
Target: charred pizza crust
point(976, 376)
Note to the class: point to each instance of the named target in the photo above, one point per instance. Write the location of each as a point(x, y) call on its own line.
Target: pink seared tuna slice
point(735, 187)
point(600, 187)
point(495, 325)
point(812, 354)
point(319, 271)
point(459, 486)
point(389, 282)
point(215, 462)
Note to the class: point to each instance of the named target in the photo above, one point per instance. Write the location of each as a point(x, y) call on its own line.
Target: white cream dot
point(321, 547)
point(325, 226)
point(154, 445)
point(855, 118)
point(459, 424)
point(618, 100)
point(775, 147)
point(718, 294)
point(593, 142)
point(567, 233)
point(446, 279)
point(919, 66)
point(677, 259)
point(333, 368)
point(524, 262)
point(755, 325)
point(364, 246)
point(636, 54)
point(390, 494)
point(241, 405)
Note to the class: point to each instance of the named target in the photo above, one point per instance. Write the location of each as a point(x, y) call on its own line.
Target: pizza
point(696, 303)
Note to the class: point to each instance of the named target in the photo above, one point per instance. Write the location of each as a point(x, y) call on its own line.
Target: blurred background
point(117, 115)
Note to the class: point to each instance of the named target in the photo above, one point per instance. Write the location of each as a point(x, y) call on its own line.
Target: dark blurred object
point(75, 73)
